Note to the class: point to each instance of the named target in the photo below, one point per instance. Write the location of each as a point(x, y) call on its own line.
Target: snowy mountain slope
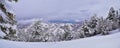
point(108, 41)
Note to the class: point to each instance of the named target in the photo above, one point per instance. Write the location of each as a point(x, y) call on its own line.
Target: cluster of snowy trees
point(39, 31)
point(99, 25)
point(51, 32)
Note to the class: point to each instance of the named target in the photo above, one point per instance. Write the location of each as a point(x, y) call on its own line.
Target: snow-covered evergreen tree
point(68, 29)
point(7, 19)
point(89, 27)
point(103, 26)
point(113, 16)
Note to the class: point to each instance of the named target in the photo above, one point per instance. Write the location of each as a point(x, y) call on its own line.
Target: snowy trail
point(108, 41)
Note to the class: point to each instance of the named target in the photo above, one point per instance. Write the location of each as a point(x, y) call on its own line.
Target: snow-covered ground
point(107, 41)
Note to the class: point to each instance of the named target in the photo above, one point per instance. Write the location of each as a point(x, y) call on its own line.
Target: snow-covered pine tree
point(89, 27)
point(81, 31)
point(7, 19)
point(84, 31)
point(93, 21)
point(112, 16)
point(92, 25)
point(68, 29)
point(104, 26)
point(71, 32)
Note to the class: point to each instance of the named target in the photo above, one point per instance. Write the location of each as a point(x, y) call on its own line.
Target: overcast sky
point(63, 9)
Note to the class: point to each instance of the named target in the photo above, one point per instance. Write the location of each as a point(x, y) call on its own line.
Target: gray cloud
point(62, 9)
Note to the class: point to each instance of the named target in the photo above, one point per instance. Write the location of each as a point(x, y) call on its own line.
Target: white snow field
point(107, 41)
